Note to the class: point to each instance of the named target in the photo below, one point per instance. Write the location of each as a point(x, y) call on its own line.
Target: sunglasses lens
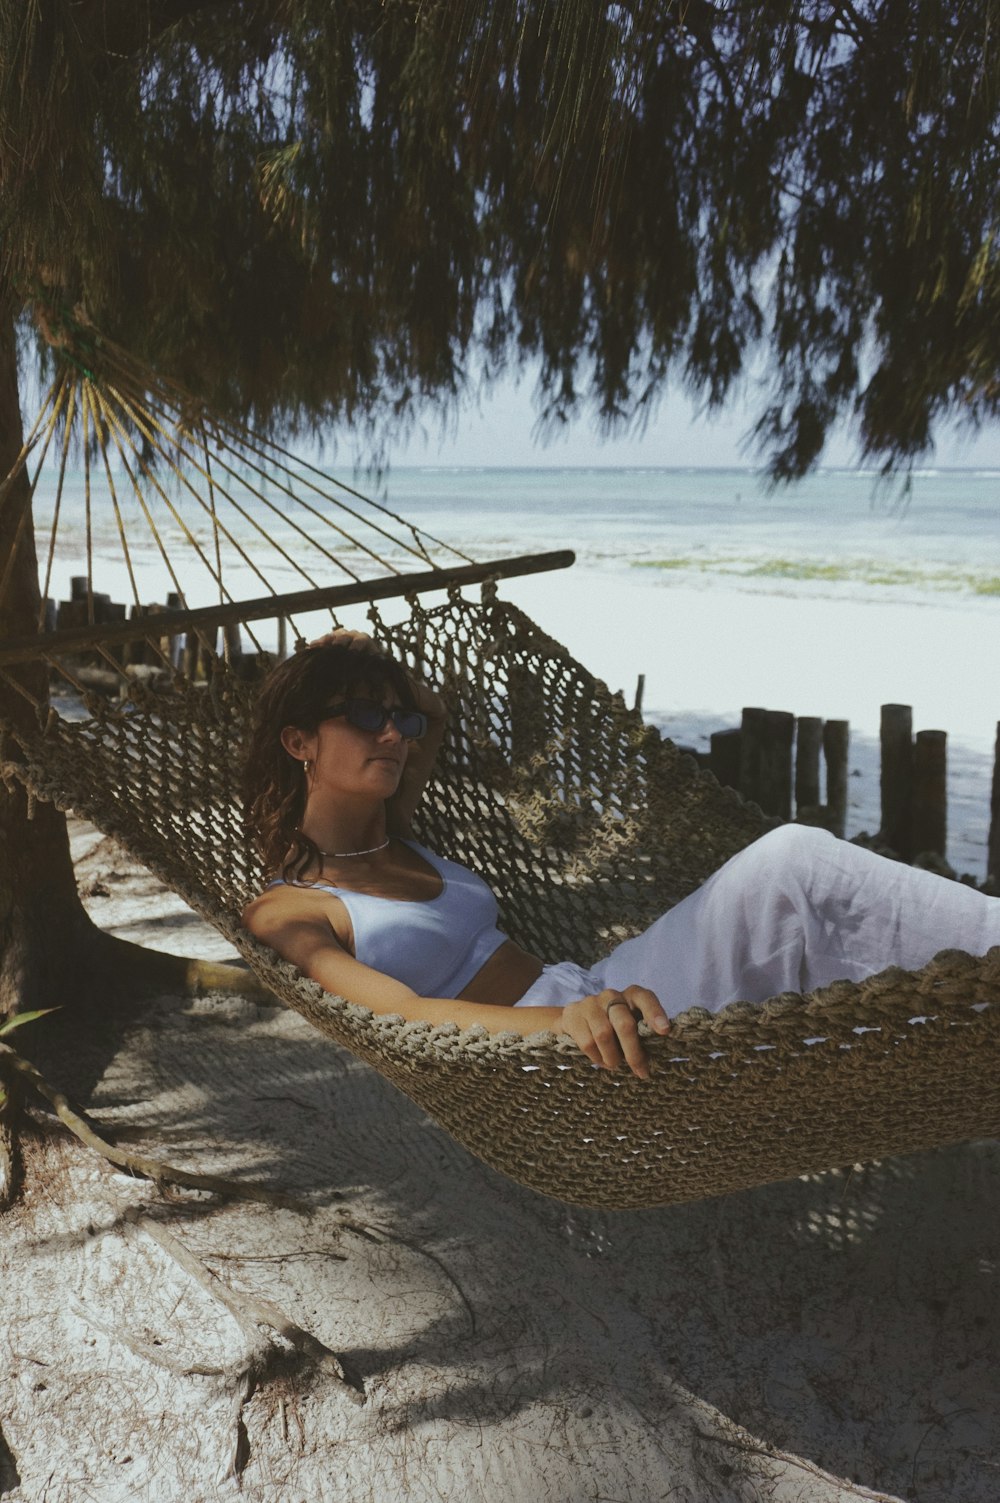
point(410, 723)
point(366, 715)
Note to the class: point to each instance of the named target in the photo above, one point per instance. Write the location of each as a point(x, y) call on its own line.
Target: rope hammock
point(585, 823)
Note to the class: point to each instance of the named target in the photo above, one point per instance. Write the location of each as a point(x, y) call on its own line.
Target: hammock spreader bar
point(265, 607)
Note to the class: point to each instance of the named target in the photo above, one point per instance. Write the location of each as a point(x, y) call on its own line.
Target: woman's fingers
point(620, 1012)
point(343, 637)
point(605, 1027)
point(650, 1007)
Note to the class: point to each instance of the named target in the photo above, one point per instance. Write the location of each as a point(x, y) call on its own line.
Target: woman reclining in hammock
point(343, 744)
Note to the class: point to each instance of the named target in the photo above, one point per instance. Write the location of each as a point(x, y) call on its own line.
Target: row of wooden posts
point(185, 652)
point(775, 760)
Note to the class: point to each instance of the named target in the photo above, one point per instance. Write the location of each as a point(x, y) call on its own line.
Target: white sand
point(822, 1341)
point(710, 647)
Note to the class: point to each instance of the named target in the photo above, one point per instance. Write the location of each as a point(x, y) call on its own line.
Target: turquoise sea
point(941, 533)
point(838, 527)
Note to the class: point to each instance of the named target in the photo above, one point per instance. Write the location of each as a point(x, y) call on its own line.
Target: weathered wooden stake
point(993, 848)
point(808, 741)
point(836, 741)
point(751, 751)
point(724, 758)
point(776, 766)
point(929, 830)
point(233, 642)
point(896, 736)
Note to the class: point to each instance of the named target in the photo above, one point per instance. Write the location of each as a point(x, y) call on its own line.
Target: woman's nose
point(390, 731)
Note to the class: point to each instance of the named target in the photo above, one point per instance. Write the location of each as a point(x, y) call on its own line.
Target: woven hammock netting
point(584, 821)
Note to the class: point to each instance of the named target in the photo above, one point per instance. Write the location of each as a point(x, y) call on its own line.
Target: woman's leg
point(796, 910)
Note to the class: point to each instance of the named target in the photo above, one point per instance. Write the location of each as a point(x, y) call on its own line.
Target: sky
point(501, 430)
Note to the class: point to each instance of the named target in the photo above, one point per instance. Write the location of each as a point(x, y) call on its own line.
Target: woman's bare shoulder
point(285, 903)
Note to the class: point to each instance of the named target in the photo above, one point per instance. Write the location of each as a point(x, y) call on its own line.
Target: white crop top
point(436, 945)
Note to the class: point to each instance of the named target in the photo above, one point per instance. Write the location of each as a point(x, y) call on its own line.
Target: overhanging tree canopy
point(305, 209)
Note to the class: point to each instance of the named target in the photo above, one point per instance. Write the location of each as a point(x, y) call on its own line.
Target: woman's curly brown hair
point(297, 692)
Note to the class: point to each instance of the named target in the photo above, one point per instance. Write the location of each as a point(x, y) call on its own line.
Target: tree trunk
point(43, 925)
point(41, 917)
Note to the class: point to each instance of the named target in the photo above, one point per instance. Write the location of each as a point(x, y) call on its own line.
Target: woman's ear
point(298, 743)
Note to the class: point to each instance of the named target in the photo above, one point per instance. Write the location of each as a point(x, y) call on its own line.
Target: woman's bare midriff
point(505, 977)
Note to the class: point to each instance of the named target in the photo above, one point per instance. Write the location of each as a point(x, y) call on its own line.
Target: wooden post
point(166, 644)
point(640, 689)
point(191, 659)
point(282, 638)
point(72, 612)
point(836, 740)
point(724, 758)
point(175, 645)
point(112, 610)
point(929, 830)
point(896, 736)
point(751, 751)
point(232, 641)
point(134, 652)
point(776, 763)
point(808, 741)
point(993, 849)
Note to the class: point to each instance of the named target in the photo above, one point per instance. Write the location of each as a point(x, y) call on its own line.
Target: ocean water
point(836, 530)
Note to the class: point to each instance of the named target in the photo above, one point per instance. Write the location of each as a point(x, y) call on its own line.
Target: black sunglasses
point(369, 715)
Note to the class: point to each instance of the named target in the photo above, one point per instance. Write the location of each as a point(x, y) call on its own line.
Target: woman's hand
point(605, 1027)
point(342, 636)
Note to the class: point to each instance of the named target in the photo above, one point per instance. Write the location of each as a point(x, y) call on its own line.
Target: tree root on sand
point(137, 1164)
point(285, 1352)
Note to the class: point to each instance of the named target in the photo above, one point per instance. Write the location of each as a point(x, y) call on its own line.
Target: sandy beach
point(827, 1340)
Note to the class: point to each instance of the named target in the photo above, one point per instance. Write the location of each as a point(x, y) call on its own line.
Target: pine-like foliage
point(307, 209)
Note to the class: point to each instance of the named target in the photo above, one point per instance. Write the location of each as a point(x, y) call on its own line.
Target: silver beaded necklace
point(339, 855)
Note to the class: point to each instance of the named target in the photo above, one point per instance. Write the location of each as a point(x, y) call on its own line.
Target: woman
point(342, 746)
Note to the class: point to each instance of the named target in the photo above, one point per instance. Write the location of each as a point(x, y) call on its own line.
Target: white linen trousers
point(794, 911)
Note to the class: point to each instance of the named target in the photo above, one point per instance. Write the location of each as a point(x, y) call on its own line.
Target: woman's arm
point(309, 942)
point(603, 1026)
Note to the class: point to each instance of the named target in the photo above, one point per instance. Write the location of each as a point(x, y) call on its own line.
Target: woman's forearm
point(493, 1017)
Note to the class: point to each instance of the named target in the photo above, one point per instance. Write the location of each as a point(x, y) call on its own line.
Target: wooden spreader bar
point(268, 607)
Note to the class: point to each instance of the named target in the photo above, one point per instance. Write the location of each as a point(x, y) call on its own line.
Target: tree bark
point(43, 925)
point(41, 917)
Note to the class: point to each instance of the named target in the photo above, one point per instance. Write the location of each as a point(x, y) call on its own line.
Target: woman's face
point(345, 758)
